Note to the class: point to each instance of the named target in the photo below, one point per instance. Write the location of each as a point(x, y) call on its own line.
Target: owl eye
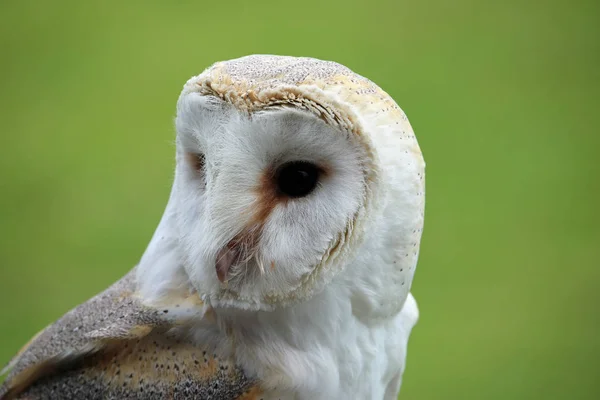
point(297, 178)
point(196, 161)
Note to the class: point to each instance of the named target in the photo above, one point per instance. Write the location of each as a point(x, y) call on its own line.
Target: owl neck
point(315, 349)
point(309, 348)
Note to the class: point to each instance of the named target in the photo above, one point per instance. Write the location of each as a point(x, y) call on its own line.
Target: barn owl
point(282, 265)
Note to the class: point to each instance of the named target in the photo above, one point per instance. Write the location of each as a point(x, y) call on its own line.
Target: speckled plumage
point(158, 366)
point(262, 80)
point(299, 330)
point(114, 347)
point(116, 308)
point(338, 95)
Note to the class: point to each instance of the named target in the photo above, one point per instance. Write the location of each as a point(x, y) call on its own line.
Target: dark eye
point(196, 161)
point(297, 178)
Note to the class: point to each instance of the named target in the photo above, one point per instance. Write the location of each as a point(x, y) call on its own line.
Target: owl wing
point(114, 347)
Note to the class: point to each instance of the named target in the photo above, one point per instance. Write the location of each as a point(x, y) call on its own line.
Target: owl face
point(291, 173)
point(262, 197)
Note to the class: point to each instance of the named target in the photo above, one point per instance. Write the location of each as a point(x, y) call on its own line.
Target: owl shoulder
point(114, 347)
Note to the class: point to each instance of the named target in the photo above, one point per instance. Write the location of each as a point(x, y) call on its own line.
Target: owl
point(282, 265)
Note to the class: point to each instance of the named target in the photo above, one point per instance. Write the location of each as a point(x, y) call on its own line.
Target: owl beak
point(228, 256)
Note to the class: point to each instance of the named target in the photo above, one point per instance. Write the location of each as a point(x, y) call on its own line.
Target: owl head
point(291, 174)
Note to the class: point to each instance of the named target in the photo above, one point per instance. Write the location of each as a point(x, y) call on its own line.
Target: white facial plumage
point(237, 124)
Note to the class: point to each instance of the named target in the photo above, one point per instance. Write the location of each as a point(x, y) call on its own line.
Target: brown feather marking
point(253, 394)
point(268, 197)
point(31, 374)
point(195, 160)
point(154, 367)
point(112, 316)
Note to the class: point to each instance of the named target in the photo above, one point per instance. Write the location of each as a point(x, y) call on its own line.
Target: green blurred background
point(503, 96)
